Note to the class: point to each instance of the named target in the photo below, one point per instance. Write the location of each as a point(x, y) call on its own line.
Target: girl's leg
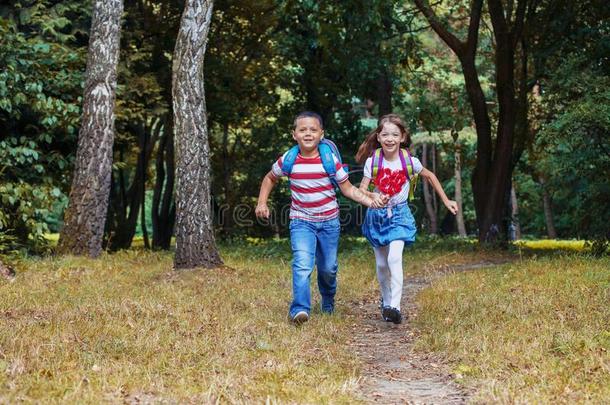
point(383, 273)
point(394, 258)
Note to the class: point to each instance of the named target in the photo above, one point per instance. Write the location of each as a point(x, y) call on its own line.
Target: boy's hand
point(262, 210)
point(379, 200)
point(452, 206)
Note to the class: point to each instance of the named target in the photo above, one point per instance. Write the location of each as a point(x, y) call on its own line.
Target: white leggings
point(389, 272)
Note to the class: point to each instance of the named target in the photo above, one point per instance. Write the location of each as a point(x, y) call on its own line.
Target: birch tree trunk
point(85, 216)
point(459, 218)
point(547, 205)
point(195, 243)
point(428, 196)
point(516, 234)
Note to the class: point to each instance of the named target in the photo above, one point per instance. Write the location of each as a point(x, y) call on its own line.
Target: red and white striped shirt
point(313, 195)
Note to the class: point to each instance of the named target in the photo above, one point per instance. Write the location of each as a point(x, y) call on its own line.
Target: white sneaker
point(300, 317)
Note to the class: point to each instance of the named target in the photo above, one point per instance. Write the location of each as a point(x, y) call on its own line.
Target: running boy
point(314, 213)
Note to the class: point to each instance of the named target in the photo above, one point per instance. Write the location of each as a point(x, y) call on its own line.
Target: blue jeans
point(314, 241)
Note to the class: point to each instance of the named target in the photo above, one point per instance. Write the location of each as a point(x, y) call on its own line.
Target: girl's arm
point(269, 181)
point(436, 185)
point(353, 193)
point(364, 187)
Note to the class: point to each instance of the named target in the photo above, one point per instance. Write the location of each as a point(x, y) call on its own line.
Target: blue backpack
point(327, 149)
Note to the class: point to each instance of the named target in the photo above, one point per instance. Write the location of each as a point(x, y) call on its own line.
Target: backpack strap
point(326, 149)
point(376, 160)
point(403, 163)
point(410, 171)
point(289, 160)
point(326, 155)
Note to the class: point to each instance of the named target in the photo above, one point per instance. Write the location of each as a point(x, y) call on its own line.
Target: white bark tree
point(459, 218)
point(195, 242)
point(85, 216)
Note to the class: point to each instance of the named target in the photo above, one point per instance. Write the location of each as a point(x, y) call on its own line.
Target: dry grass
point(126, 328)
point(535, 331)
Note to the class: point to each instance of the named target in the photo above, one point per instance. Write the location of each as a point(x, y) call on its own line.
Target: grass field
point(128, 328)
point(536, 331)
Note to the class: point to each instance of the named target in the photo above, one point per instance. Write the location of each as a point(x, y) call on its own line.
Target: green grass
point(535, 331)
point(552, 244)
point(75, 330)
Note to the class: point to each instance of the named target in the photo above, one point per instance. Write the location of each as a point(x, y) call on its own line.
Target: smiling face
point(390, 138)
point(308, 132)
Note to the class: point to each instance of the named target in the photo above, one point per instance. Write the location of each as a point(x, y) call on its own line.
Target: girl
point(392, 170)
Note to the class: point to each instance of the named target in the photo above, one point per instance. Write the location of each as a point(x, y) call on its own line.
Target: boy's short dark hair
point(308, 114)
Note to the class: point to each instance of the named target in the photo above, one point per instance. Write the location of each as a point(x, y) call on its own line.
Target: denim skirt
point(380, 229)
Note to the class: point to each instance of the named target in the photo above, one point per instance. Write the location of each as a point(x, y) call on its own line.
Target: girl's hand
point(379, 200)
point(452, 206)
point(262, 210)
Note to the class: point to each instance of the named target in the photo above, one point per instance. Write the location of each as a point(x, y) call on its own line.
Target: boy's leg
point(395, 265)
point(326, 262)
point(303, 243)
point(383, 273)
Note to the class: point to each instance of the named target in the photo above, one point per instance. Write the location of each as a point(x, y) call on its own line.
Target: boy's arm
point(364, 187)
point(353, 193)
point(380, 199)
point(436, 185)
point(269, 181)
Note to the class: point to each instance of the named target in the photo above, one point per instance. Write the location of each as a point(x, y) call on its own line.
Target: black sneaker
point(385, 313)
point(381, 307)
point(394, 315)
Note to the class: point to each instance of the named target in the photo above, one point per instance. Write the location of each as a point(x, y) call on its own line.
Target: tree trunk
point(123, 232)
point(163, 208)
point(127, 223)
point(432, 192)
point(458, 185)
point(85, 216)
point(547, 204)
point(384, 93)
point(515, 227)
point(227, 210)
point(143, 220)
point(428, 197)
point(494, 164)
point(195, 243)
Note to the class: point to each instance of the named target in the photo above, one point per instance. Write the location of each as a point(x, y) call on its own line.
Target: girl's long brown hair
point(370, 143)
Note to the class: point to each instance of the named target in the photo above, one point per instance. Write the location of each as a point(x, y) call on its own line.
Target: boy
point(314, 215)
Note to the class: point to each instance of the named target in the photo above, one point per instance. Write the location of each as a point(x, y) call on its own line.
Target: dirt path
point(393, 372)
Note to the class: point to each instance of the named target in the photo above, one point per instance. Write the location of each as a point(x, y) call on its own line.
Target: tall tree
point(431, 208)
point(86, 214)
point(195, 242)
point(495, 161)
point(457, 168)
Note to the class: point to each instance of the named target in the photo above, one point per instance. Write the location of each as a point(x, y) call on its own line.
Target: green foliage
point(40, 85)
point(573, 117)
